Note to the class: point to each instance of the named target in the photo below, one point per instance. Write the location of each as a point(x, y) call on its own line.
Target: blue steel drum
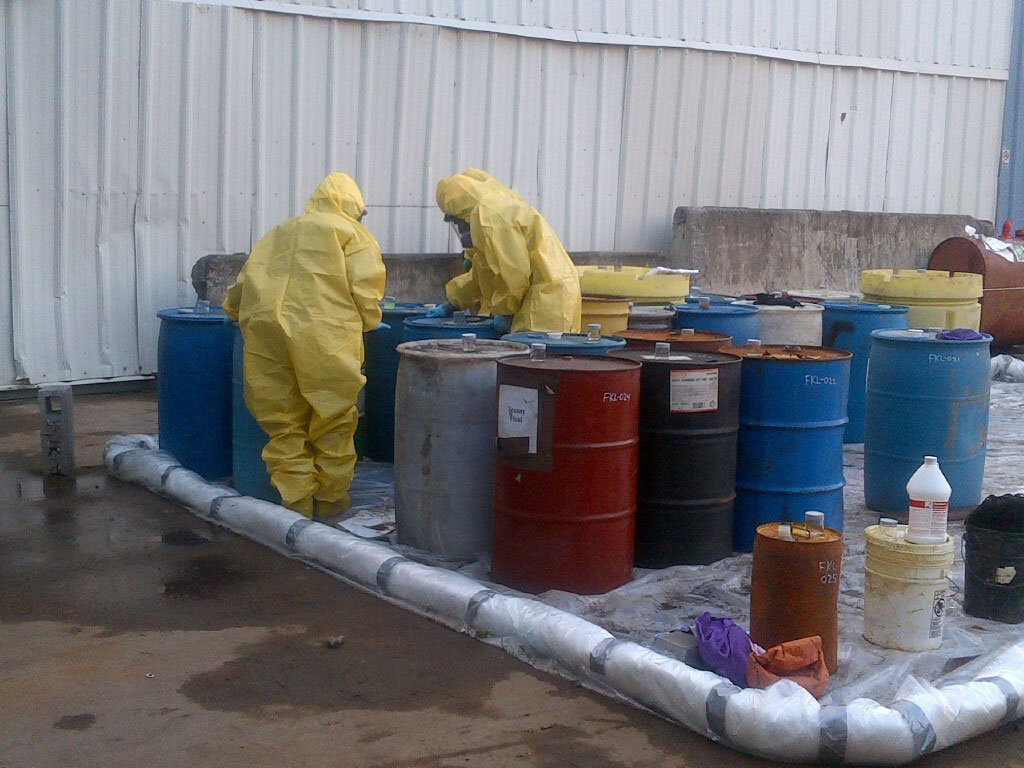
point(194, 390)
point(848, 325)
point(569, 343)
point(249, 471)
point(925, 397)
point(420, 328)
point(740, 322)
point(790, 449)
point(381, 374)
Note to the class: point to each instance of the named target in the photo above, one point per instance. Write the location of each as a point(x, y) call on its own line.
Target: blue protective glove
point(466, 264)
point(502, 324)
point(441, 310)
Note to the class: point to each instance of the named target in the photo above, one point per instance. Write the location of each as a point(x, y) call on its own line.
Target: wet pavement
point(132, 633)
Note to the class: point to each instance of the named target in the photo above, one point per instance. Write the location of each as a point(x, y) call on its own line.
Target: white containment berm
point(905, 589)
point(445, 421)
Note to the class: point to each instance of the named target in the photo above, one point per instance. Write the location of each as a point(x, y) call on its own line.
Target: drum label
point(517, 416)
point(694, 391)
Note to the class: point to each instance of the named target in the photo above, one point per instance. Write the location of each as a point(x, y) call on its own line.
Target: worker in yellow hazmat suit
point(520, 273)
point(306, 294)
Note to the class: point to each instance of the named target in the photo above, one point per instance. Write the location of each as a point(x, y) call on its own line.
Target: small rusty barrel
point(680, 339)
point(794, 585)
point(565, 472)
point(689, 419)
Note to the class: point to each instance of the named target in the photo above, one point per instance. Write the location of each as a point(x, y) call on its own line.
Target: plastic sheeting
point(882, 707)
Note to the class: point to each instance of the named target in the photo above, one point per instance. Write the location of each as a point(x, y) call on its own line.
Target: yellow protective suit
point(306, 294)
point(519, 266)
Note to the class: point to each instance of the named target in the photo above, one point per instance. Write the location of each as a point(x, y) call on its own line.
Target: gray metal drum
point(445, 423)
point(789, 325)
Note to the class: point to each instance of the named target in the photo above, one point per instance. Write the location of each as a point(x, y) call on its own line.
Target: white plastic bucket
point(905, 589)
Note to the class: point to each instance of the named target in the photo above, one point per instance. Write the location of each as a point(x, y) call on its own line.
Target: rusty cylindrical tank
point(680, 339)
point(794, 586)
point(689, 419)
point(565, 473)
point(1002, 284)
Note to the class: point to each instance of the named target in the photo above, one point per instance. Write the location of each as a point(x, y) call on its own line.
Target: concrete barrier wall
point(411, 276)
point(741, 250)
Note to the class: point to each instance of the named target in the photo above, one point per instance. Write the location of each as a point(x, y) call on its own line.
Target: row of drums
point(719, 447)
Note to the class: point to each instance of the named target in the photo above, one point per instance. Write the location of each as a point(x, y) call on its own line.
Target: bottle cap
point(815, 519)
point(888, 522)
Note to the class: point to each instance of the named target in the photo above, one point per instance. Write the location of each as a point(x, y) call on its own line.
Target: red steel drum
point(566, 473)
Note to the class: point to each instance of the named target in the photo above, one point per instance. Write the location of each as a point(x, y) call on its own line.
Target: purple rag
point(724, 647)
point(960, 334)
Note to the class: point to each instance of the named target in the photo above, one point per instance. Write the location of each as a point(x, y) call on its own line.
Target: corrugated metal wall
point(1011, 171)
point(145, 134)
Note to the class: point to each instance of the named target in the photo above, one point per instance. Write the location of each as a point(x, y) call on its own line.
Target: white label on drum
point(517, 414)
point(694, 391)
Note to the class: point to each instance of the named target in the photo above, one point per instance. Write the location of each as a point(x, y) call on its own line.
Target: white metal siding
point(146, 134)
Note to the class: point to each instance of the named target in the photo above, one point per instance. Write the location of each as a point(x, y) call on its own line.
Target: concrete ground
point(134, 634)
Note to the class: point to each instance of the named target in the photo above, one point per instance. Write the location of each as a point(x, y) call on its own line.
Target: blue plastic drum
point(194, 389)
point(248, 438)
point(848, 325)
point(737, 321)
point(925, 397)
point(420, 328)
point(790, 448)
point(381, 374)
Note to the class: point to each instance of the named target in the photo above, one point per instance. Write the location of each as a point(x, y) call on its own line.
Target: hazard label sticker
point(694, 391)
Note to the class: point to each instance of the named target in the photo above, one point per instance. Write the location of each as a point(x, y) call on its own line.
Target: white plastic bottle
point(929, 504)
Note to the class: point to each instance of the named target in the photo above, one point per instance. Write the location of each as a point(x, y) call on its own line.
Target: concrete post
point(57, 429)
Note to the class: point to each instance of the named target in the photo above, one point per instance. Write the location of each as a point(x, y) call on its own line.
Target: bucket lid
point(452, 349)
point(216, 315)
point(787, 353)
point(867, 307)
point(893, 539)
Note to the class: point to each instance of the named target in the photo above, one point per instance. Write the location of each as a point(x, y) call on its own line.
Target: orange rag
point(801, 661)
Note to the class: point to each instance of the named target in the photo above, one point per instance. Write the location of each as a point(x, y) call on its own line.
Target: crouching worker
point(518, 270)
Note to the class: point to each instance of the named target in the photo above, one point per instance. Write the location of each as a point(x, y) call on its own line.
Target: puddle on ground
point(59, 487)
point(203, 578)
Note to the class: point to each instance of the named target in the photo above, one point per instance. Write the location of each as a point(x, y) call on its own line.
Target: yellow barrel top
point(633, 283)
point(920, 284)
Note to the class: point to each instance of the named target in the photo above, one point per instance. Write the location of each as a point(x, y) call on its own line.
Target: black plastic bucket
point(993, 545)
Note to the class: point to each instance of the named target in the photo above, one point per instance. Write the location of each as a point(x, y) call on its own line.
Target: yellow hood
point(458, 195)
point(338, 193)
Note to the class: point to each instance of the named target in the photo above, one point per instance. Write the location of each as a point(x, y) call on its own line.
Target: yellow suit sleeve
point(508, 258)
point(463, 291)
point(366, 278)
point(233, 301)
